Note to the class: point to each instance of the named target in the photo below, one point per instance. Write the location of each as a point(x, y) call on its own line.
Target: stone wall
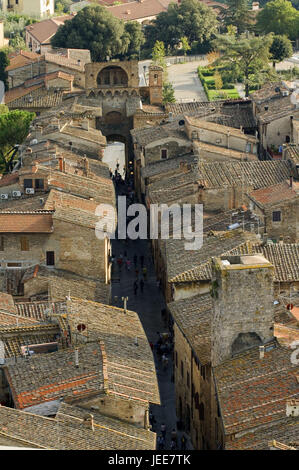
point(92, 71)
point(243, 310)
point(173, 146)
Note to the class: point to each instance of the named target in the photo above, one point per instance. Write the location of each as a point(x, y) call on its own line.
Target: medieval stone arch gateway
point(114, 88)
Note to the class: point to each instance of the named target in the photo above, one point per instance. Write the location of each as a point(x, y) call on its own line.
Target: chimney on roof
point(89, 421)
point(281, 240)
point(61, 164)
point(262, 351)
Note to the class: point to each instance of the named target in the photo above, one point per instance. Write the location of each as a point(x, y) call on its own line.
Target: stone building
point(102, 384)
point(277, 207)
point(34, 8)
point(26, 65)
point(38, 35)
point(227, 360)
point(274, 112)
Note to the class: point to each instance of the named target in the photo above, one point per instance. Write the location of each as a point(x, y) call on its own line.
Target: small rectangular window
point(182, 369)
point(50, 258)
point(276, 216)
point(1, 243)
point(163, 154)
point(24, 244)
point(28, 183)
point(39, 184)
point(176, 359)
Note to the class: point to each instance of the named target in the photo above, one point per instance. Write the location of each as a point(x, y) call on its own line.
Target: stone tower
point(243, 309)
point(155, 84)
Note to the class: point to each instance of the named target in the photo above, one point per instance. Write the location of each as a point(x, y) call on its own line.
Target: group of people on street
point(161, 440)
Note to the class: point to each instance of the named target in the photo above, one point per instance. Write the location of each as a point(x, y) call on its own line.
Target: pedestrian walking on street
point(172, 445)
point(174, 436)
point(163, 430)
point(141, 285)
point(183, 442)
point(128, 265)
point(144, 272)
point(161, 442)
point(164, 362)
point(119, 262)
point(135, 287)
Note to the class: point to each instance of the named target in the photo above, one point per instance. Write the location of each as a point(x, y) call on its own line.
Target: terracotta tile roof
point(14, 337)
point(193, 318)
point(131, 370)
point(137, 10)
point(40, 311)
point(60, 284)
point(26, 222)
point(212, 126)
point(292, 153)
point(274, 194)
point(42, 99)
point(284, 258)
point(286, 334)
point(257, 174)
point(67, 431)
point(19, 92)
point(286, 431)
point(253, 391)
point(47, 377)
point(117, 434)
point(22, 59)
point(191, 265)
point(44, 30)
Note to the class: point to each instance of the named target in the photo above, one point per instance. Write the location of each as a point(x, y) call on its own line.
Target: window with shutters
point(24, 244)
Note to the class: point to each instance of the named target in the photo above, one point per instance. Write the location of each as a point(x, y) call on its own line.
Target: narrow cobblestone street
point(148, 305)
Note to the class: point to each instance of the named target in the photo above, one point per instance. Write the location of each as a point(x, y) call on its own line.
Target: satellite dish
point(181, 122)
point(81, 327)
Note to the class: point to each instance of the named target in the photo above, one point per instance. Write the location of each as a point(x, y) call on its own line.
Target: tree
point(244, 55)
point(279, 17)
point(158, 53)
point(218, 80)
point(168, 93)
point(96, 29)
point(135, 38)
point(190, 18)
point(62, 6)
point(17, 42)
point(14, 128)
point(238, 14)
point(4, 62)
point(185, 44)
point(280, 49)
point(3, 109)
